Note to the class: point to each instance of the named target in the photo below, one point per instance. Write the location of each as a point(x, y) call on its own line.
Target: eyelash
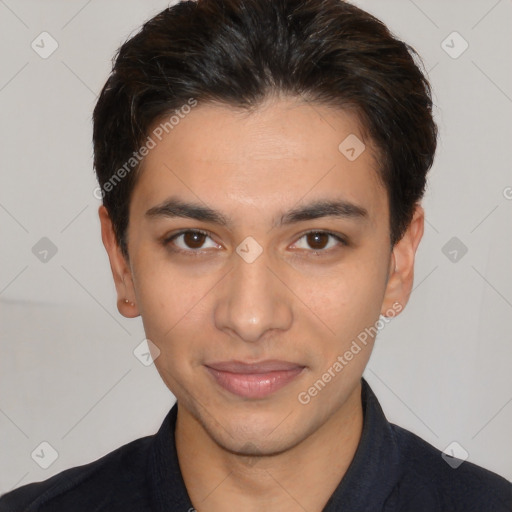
point(321, 252)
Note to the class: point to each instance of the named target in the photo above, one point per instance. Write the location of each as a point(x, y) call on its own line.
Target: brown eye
point(193, 239)
point(189, 241)
point(319, 242)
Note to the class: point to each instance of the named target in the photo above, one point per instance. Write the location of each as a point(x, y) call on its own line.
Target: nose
point(254, 300)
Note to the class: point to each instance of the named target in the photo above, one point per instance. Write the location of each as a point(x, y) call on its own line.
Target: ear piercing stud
point(126, 301)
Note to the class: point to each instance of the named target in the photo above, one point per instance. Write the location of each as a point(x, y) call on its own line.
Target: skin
point(292, 303)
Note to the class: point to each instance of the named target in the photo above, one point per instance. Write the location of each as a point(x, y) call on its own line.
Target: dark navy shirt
point(392, 470)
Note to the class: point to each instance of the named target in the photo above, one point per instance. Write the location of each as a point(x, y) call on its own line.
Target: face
point(258, 254)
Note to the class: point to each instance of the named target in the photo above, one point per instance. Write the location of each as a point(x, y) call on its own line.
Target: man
point(261, 165)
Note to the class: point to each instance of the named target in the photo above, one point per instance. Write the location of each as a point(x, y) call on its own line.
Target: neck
point(301, 478)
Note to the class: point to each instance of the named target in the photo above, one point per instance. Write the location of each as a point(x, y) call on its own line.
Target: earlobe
point(401, 276)
point(119, 266)
point(127, 308)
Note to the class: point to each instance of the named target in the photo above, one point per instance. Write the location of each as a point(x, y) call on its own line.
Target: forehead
point(282, 152)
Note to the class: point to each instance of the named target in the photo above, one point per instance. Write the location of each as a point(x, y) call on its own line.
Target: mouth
point(254, 380)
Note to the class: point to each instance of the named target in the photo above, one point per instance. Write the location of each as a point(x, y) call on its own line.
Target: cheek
point(171, 304)
point(347, 301)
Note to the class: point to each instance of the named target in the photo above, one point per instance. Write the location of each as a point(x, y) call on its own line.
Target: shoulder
point(447, 483)
point(90, 486)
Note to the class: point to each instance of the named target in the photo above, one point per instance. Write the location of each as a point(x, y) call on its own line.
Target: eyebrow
point(174, 207)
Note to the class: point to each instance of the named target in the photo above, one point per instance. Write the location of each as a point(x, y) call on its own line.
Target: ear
point(121, 272)
point(401, 269)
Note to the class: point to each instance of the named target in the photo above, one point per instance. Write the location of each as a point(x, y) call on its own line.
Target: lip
point(253, 380)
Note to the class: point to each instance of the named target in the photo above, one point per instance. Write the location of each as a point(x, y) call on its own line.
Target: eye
point(190, 241)
point(319, 241)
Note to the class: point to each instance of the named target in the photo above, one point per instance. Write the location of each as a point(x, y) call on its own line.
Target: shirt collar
point(369, 480)
point(167, 488)
point(375, 468)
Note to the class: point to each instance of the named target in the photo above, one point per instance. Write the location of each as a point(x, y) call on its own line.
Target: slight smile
point(253, 380)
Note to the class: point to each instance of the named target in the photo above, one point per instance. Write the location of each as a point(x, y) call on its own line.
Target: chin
point(259, 433)
point(257, 445)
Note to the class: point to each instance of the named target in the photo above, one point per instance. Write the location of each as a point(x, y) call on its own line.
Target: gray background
point(68, 375)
